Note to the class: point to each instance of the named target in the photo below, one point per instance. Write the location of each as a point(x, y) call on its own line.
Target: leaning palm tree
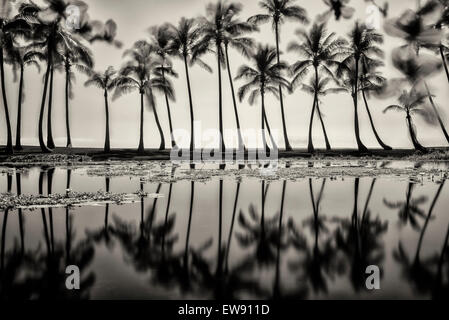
point(105, 81)
point(266, 77)
point(234, 37)
point(411, 103)
point(10, 28)
point(161, 38)
point(212, 29)
point(277, 11)
point(363, 45)
point(78, 57)
point(139, 73)
point(184, 45)
point(20, 58)
point(320, 89)
point(319, 51)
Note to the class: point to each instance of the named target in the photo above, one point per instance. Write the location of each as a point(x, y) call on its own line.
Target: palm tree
point(234, 38)
point(372, 81)
point(20, 58)
point(319, 89)
point(139, 73)
point(106, 81)
point(411, 103)
point(363, 43)
point(277, 12)
point(339, 8)
point(9, 30)
point(320, 51)
point(78, 57)
point(185, 38)
point(212, 38)
point(266, 77)
point(161, 38)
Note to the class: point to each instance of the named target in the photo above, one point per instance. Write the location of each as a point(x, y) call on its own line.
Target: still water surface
point(306, 239)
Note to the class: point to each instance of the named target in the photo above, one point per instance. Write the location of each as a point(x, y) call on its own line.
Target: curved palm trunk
point(281, 99)
point(220, 103)
point(443, 128)
point(141, 148)
point(310, 147)
point(239, 131)
point(161, 132)
point(19, 112)
point(42, 109)
point(186, 284)
point(9, 147)
point(360, 144)
point(50, 142)
point(173, 142)
point(192, 132)
point(107, 143)
point(67, 115)
point(413, 137)
point(328, 145)
point(379, 140)
point(269, 131)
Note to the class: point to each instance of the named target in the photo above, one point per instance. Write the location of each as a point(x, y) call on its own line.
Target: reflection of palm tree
point(277, 12)
point(418, 270)
point(409, 211)
point(263, 234)
point(358, 239)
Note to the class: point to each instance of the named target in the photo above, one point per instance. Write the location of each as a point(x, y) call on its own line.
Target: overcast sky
point(135, 16)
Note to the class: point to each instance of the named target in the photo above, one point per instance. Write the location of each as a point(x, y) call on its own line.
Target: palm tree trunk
point(379, 140)
point(277, 289)
point(9, 147)
point(161, 132)
point(281, 99)
point(310, 147)
point(173, 142)
point(141, 148)
point(21, 221)
point(446, 135)
point(41, 112)
point(220, 103)
point(360, 144)
point(50, 142)
point(192, 132)
point(328, 145)
point(107, 142)
point(220, 222)
point(413, 137)
point(67, 115)
point(19, 112)
point(264, 140)
point(189, 224)
point(239, 131)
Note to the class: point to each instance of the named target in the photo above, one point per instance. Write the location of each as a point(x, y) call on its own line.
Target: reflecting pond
point(310, 238)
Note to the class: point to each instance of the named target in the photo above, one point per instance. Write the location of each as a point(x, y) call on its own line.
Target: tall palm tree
point(265, 77)
point(234, 37)
point(319, 51)
point(139, 73)
point(363, 45)
point(212, 29)
point(320, 89)
point(105, 81)
point(277, 12)
point(20, 58)
point(411, 103)
point(161, 38)
point(79, 57)
point(185, 39)
point(10, 28)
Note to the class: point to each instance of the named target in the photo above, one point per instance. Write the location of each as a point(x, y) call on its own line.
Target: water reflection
point(226, 239)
